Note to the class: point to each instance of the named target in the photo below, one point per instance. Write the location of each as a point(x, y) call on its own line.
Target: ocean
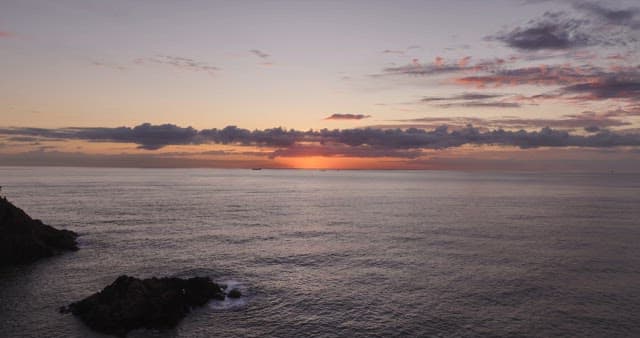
point(340, 253)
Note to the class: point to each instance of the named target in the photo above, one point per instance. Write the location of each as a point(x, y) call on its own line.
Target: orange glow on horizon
point(322, 162)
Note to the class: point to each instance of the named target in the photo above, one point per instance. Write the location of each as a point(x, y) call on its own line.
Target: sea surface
point(340, 253)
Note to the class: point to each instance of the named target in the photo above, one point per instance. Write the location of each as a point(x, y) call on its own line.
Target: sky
point(464, 85)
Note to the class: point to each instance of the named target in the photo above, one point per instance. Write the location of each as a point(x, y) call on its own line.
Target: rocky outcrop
point(154, 303)
point(23, 239)
point(234, 293)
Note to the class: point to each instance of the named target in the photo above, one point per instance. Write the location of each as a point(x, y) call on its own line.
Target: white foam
point(82, 242)
point(230, 303)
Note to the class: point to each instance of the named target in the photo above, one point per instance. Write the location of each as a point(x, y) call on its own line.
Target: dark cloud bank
point(374, 140)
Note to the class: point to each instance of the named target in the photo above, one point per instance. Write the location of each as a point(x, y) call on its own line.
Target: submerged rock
point(23, 239)
point(234, 293)
point(154, 303)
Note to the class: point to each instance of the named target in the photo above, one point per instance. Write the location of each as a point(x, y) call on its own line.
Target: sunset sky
point(495, 85)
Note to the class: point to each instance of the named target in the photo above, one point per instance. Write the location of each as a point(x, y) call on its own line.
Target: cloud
point(577, 84)
point(401, 52)
point(548, 75)
point(22, 139)
point(574, 83)
point(576, 122)
point(626, 17)
point(582, 120)
point(470, 100)
point(441, 66)
point(274, 137)
point(553, 31)
point(152, 137)
point(147, 136)
point(108, 65)
point(394, 51)
point(635, 111)
point(597, 25)
point(481, 104)
point(179, 62)
point(415, 68)
point(266, 58)
point(592, 129)
point(620, 57)
point(260, 53)
point(337, 116)
point(622, 87)
point(463, 96)
point(441, 138)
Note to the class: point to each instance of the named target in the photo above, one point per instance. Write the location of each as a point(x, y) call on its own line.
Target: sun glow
point(323, 162)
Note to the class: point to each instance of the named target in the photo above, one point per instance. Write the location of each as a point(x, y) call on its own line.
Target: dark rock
point(234, 293)
point(23, 239)
point(154, 303)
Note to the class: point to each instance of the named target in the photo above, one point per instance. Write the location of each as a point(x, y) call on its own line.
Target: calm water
point(341, 253)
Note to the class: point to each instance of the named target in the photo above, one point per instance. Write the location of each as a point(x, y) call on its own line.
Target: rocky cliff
point(23, 239)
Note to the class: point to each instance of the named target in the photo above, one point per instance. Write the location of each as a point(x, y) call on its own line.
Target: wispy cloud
point(394, 51)
point(108, 65)
point(441, 66)
point(463, 96)
point(338, 116)
point(566, 122)
point(548, 75)
point(179, 62)
point(401, 52)
point(607, 88)
point(265, 57)
point(480, 104)
point(577, 84)
point(471, 100)
point(260, 53)
point(417, 68)
point(587, 119)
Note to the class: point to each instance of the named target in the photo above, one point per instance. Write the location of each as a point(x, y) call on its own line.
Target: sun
point(311, 162)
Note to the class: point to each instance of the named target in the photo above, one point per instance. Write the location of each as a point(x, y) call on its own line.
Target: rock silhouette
point(235, 293)
point(154, 303)
point(23, 239)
